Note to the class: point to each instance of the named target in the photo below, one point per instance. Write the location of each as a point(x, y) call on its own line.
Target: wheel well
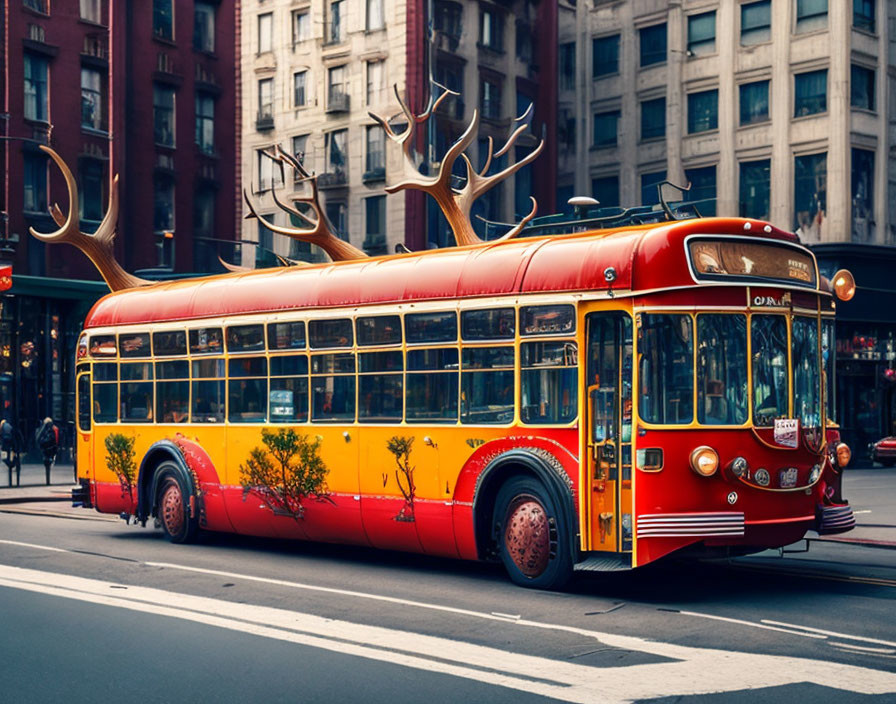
point(147, 483)
point(503, 469)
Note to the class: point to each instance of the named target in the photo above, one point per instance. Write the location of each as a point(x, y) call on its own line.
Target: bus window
point(806, 387)
point(380, 386)
point(379, 330)
point(170, 343)
point(206, 341)
point(248, 389)
point(487, 385)
point(547, 320)
point(666, 356)
point(828, 346)
point(286, 336)
point(105, 392)
point(102, 346)
point(245, 338)
point(333, 387)
point(134, 344)
point(722, 369)
point(549, 378)
point(432, 385)
point(768, 337)
point(330, 333)
point(207, 391)
point(136, 392)
point(172, 391)
point(84, 403)
point(430, 327)
point(288, 402)
point(488, 324)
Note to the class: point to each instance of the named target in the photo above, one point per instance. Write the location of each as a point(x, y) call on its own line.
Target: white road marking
point(696, 671)
point(32, 545)
point(864, 649)
point(835, 634)
point(752, 624)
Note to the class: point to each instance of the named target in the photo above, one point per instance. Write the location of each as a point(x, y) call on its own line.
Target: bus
point(590, 401)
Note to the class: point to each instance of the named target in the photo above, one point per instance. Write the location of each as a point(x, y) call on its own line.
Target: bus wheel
point(174, 509)
point(532, 538)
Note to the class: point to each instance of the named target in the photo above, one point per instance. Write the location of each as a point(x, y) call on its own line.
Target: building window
point(491, 29)
point(810, 194)
point(337, 152)
point(337, 30)
point(299, 151)
point(525, 42)
point(653, 44)
point(36, 69)
point(301, 26)
point(863, 15)
point(605, 189)
point(753, 102)
point(702, 191)
point(755, 22)
point(205, 123)
point(265, 32)
point(375, 225)
point(653, 118)
point(299, 81)
point(163, 115)
point(810, 93)
point(90, 193)
point(337, 97)
point(861, 87)
point(163, 19)
point(448, 18)
point(264, 252)
point(91, 10)
point(811, 15)
point(606, 56)
point(568, 66)
point(265, 171)
point(522, 186)
point(606, 128)
point(163, 204)
point(375, 16)
point(490, 94)
point(204, 27)
point(35, 200)
point(702, 34)
point(755, 189)
point(204, 252)
point(650, 187)
point(375, 166)
point(337, 214)
point(266, 100)
point(703, 111)
point(92, 99)
point(376, 82)
point(862, 195)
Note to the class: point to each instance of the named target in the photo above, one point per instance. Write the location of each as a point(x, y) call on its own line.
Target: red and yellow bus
point(595, 401)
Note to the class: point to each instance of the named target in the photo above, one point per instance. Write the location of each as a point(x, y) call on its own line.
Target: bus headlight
point(704, 461)
point(844, 454)
point(844, 285)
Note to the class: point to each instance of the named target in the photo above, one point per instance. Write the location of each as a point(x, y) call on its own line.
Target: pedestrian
point(47, 439)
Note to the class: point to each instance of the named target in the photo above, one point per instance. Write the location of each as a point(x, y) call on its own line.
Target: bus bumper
point(834, 519)
point(81, 494)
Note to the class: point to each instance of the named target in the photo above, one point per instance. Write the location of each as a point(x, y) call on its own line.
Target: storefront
point(866, 342)
point(40, 319)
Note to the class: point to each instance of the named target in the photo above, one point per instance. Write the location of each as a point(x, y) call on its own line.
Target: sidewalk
point(33, 486)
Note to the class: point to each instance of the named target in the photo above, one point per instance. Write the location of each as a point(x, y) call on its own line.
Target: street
point(94, 609)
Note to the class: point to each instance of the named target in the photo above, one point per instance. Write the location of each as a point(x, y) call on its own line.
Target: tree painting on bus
point(404, 475)
point(285, 472)
point(120, 461)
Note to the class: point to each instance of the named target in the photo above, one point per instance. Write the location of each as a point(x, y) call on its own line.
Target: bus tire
point(531, 535)
point(173, 507)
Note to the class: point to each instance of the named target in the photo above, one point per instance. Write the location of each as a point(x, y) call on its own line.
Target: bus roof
point(644, 257)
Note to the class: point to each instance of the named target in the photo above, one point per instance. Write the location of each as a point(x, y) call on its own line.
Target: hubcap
point(527, 535)
point(172, 509)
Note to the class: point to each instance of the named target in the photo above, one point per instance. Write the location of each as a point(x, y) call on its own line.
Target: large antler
point(319, 231)
point(97, 246)
point(456, 203)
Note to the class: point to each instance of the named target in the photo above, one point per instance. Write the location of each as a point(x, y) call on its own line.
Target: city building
point(313, 70)
point(774, 109)
point(145, 90)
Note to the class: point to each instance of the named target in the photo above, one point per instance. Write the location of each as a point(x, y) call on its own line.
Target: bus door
point(84, 434)
point(609, 430)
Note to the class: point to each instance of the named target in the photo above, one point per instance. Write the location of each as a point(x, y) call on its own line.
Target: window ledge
point(163, 40)
point(750, 47)
point(758, 123)
point(98, 132)
point(91, 23)
point(800, 118)
point(207, 54)
point(491, 49)
point(603, 147)
point(700, 133)
point(866, 32)
point(863, 111)
point(652, 140)
point(655, 64)
point(602, 76)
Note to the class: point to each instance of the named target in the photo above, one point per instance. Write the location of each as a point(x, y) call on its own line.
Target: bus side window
point(84, 403)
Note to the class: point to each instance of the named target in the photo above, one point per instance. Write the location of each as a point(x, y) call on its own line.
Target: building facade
point(314, 70)
point(145, 90)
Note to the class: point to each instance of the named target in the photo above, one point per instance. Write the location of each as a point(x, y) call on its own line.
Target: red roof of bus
point(650, 256)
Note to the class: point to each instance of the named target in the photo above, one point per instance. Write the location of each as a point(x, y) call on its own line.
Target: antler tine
point(521, 224)
point(477, 184)
point(98, 247)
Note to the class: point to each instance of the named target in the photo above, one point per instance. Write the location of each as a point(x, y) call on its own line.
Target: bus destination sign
point(719, 259)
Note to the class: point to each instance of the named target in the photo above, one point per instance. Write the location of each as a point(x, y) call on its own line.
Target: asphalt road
point(95, 609)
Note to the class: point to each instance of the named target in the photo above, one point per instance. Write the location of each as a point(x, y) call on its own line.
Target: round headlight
point(844, 285)
point(844, 454)
point(704, 461)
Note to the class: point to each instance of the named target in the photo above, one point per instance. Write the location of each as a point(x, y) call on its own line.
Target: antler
point(319, 231)
point(97, 246)
point(456, 204)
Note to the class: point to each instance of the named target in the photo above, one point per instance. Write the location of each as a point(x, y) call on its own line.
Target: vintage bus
point(596, 400)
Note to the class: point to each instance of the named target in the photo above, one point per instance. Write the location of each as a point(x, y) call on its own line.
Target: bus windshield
point(806, 387)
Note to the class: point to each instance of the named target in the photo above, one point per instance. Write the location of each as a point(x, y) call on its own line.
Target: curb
point(866, 543)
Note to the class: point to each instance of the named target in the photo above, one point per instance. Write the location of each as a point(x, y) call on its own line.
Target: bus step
point(604, 562)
